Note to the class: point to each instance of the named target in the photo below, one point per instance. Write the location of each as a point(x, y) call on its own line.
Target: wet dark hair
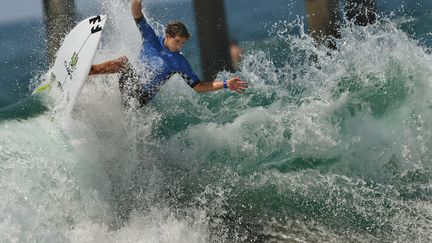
point(177, 28)
point(234, 42)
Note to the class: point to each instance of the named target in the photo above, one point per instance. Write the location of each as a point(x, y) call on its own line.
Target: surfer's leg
point(130, 86)
point(114, 66)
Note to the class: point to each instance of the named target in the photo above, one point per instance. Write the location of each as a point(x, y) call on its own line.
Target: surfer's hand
point(236, 84)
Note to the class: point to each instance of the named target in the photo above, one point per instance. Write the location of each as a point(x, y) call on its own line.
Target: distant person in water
point(236, 53)
point(163, 58)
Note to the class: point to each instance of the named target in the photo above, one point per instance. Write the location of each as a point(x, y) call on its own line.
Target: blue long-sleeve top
point(163, 62)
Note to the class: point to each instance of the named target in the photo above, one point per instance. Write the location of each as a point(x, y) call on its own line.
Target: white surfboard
point(74, 60)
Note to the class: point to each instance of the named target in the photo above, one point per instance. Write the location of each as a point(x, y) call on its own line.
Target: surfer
point(236, 53)
point(162, 56)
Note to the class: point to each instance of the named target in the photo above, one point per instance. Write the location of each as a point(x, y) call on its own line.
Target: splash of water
point(332, 147)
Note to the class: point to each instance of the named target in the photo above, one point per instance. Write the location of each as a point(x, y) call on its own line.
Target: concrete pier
point(59, 18)
point(212, 37)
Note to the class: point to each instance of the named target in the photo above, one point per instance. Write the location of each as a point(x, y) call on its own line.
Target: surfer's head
point(236, 51)
point(176, 35)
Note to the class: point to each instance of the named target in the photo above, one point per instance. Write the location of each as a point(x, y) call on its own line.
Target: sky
point(13, 10)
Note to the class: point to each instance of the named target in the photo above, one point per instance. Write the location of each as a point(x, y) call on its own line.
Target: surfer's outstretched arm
point(235, 84)
point(147, 32)
point(109, 67)
point(136, 9)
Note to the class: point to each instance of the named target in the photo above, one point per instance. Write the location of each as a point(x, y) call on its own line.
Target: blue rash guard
point(163, 62)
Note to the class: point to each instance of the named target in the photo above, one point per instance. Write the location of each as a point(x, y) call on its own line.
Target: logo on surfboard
point(94, 21)
point(71, 66)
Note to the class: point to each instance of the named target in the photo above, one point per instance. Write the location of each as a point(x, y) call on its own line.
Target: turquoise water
point(334, 152)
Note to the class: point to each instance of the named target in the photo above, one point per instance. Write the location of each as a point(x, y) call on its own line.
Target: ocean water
point(332, 150)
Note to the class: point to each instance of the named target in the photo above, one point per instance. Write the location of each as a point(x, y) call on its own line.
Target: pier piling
point(323, 19)
point(59, 17)
point(212, 37)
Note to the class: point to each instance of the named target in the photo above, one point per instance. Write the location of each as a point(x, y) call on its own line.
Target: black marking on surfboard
point(59, 85)
point(54, 80)
point(96, 28)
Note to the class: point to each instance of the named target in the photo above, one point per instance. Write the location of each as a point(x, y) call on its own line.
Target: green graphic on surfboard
point(71, 66)
point(48, 85)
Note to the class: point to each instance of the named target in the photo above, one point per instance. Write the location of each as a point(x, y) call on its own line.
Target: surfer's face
point(174, 44)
